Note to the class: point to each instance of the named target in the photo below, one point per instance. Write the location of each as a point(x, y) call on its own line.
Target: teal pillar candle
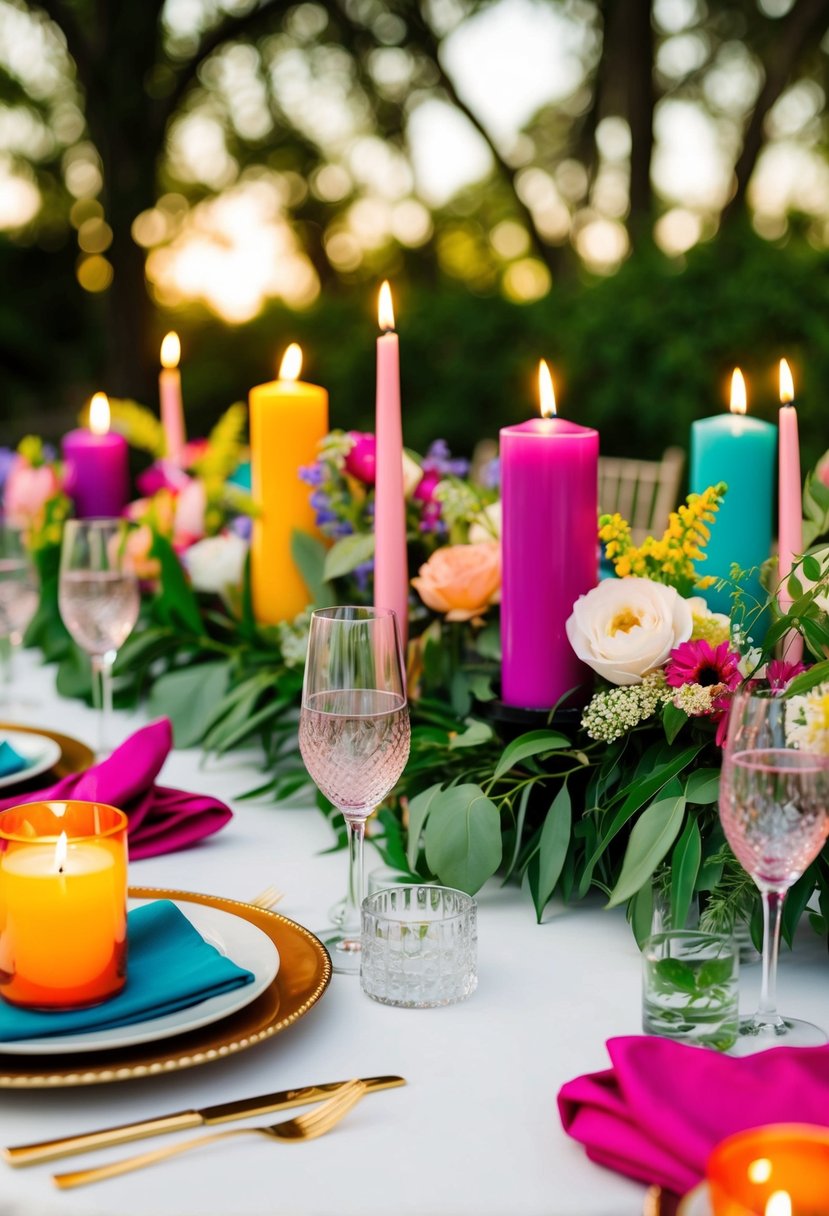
point(742, 452)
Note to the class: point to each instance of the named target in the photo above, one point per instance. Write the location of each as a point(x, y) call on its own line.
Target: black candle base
point(513, 720)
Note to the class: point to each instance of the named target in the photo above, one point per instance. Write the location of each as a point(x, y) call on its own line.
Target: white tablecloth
point(476, 1130)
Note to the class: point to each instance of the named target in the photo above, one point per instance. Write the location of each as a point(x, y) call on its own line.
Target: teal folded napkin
point(169, 967)
point(10, 760)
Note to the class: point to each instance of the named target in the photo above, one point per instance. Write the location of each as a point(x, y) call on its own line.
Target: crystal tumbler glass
point(419, 946)
point(690, 987)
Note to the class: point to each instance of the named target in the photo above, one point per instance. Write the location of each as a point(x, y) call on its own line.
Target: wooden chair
point(644, 492)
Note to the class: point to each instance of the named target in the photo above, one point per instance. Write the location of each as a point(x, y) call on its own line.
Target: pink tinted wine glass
point(774, 809)
point(353, 735)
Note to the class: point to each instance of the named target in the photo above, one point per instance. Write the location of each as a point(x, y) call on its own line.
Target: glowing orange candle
point(63, 896)
point(778, 1170)
point(288, 418)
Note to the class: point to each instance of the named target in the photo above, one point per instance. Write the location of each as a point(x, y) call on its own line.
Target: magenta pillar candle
point(549, 490)
point(97, 468)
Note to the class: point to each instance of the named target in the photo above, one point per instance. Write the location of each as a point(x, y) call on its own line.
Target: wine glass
point(99, 599)
point(774, 809)
point(353, 735)
point(19, 595)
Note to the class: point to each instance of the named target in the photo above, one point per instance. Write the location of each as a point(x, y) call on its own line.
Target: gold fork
point(268, 898)
point(305, 1127)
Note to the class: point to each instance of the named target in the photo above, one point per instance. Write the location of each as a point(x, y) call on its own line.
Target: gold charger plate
point(75, 757)
point(303, 976)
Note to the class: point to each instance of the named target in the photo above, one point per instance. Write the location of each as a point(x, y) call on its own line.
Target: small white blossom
point(614, 712)
point(807, 724)
point(293, 639)
point(697, 699)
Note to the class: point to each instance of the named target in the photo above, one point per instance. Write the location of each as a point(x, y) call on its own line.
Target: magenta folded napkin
point(161, 820)
point(663, 1106)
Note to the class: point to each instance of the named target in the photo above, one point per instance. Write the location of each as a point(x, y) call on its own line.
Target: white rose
point(486, 525)
point(627, 627)
point(216, 563)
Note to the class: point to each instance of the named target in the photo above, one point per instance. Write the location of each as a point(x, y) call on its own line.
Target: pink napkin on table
point(663, 1106)
point(161, 820)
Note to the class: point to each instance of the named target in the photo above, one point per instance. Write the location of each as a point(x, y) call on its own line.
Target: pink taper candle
point(790, 529)
point(549, 477)
point(169, 391)
point(391, 571)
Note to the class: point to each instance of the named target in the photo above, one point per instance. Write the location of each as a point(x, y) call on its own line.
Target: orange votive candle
point(63, 904)
point(778, 1170)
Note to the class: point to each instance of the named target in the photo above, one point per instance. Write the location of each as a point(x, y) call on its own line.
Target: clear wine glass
point(353, 735)
point(19, 595)
point(774, 808)
point(99, 599)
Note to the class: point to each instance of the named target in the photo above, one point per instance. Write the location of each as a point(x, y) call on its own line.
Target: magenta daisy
point(780, 673)
point(701, 663)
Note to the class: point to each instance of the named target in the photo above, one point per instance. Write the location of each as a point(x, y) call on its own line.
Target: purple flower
point(363, 573)
point(7, 459)
point(343, 528)
point(439, 460)
point(320, 501)
point(491, 474)
point(242, 525)
point(313, 474)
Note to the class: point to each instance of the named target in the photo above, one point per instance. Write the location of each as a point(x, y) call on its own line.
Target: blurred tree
point(132, 116)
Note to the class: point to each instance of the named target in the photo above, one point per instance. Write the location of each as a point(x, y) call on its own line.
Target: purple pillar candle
point(97, 473)
point(549, 490)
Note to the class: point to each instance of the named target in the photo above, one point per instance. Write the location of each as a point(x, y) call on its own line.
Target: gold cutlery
point(268, 898)
point(303, 1127)
point(184, 1120)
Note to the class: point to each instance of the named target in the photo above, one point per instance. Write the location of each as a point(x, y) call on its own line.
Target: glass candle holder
point(63, 904)
point(690, 988)
point(419, 946)
point(781, 1169)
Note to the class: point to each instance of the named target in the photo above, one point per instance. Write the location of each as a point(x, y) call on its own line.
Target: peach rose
point(137, 558)
point(461, 580)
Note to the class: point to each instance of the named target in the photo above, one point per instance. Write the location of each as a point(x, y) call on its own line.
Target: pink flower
point(427, 485)
point(701, 663)
point(191, 504)
point(780, 673)
point(163, 475)
point(361, 461)
point(27, 491)
point(137, 554)
point(823, 469)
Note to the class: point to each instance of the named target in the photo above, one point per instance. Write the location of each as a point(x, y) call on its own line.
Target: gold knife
point(223, 1112)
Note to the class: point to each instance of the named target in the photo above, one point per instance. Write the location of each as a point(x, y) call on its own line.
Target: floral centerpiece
point(617, 796)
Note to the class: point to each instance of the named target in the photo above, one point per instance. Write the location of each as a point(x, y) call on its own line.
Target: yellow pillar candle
point(63, 889)
point(288, 418)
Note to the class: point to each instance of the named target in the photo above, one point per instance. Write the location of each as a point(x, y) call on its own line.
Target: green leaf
point(519, 828)
point(650, 839)
point(463, 837)
point(673, 720)
point(419, 808)
point(672, 973)
point(74, 678)
point(347, 554)
point(715, 972)
point(489, 643)
point(808, 680)
point(475, 734)
point(811, 568)
point(188, 698)
point(703, 786)
point(175, 604)
point(533, 743)
point(309, 556)
point(685, 864)
point(555, 841)
point(640, 914)
point(797, 897)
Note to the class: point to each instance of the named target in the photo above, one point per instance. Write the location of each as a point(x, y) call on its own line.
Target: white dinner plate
point(232, 936)
point(696, 1203)
point(39, 751)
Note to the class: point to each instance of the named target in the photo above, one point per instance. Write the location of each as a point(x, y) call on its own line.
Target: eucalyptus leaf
point(673, 720)
point(175, 603)
point(475, 734)
point(703, 786)
point(533, 743)
point(811, 568)
point(188, 698)
point(685, 863)
point(640, 914)
point(650, 839)
point(347, 554)
point(555, 841)
point(309, 556)
point(808, 680)
point(463, 837)
point(672, 973)
point(419, 808)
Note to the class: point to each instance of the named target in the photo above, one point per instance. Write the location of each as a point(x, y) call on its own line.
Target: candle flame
point(546, 393)
point(291, 364)
point(385, 309)
point(99, 414)
point(779, 1204)
point(786, 384)
point(170, 350)
point(738, 392)
point(61, 849)
point(759, 1170)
